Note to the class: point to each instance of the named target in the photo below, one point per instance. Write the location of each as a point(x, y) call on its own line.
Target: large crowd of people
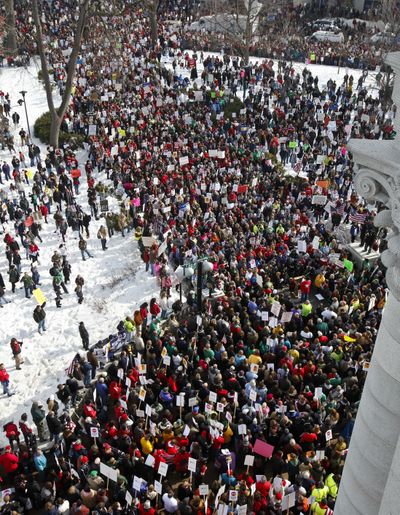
point(240, 395)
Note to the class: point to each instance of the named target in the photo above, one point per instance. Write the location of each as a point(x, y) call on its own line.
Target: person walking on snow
point(84, 335)
point(39, 316)
point(83, 248)
point(28, 284)
point(79, 281)
point(16, 348)
point(4, 380)
point(102, 236)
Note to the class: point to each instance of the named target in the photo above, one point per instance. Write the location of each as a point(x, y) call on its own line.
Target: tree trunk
point(153, 23)
point(11, 32)
point(55, 127)
point(246, 54)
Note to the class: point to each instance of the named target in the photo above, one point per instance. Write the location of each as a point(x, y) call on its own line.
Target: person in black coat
point(54, 425)
point(84, 335)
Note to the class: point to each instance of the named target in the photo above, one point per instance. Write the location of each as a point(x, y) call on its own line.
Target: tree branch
point(71, 67)
point(43, 59)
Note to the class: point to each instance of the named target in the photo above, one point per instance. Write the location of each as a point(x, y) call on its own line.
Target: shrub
point(40, 74)
point(233, 105)
point(42, 132)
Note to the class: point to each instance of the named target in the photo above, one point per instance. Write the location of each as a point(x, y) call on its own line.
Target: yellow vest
point(331, 484)
point(320, 493)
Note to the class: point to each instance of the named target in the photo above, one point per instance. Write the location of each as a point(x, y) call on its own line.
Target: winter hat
point(93, 473)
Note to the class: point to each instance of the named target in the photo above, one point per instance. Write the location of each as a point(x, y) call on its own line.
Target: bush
point(233, 105)
point(40, 74)
point(42, 132)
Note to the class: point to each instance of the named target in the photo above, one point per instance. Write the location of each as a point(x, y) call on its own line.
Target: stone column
point(365, 488)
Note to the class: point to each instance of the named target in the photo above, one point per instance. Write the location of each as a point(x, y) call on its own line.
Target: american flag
point(359, 218)
point(70, 369)
point(339, 209)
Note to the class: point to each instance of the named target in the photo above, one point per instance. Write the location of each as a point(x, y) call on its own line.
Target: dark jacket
point(39, 314)
point(53, 424)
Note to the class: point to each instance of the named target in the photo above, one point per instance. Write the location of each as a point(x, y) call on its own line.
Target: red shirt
point(143, 511)
point(263, 488)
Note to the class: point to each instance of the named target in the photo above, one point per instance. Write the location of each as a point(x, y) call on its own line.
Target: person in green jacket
point(13, 277)
point(28, 284)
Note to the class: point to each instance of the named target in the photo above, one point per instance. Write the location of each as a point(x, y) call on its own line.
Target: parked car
point(323, 24)
point(327, 35)
point(385, 38)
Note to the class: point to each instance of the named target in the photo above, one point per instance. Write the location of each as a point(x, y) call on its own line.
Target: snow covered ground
point(115, 284)
point(112, 288)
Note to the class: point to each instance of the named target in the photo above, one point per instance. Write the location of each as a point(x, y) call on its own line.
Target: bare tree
point(10, 40)
point(57, 114)
point(239, 22)
point(151, 7)
point(390, 15)
point(86, 10)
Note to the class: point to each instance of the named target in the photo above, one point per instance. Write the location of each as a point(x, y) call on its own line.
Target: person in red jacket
point(12, 433)
point(115, 390)
point(263, 486)
point(8, 463)
point(4, 380)
point(305, 288)
point(181, 460)
point(44, 211)
point(155, 309)
point(146, 509)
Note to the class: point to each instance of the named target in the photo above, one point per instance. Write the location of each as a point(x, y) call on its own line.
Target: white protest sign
point(203, 489)
point(150, 460)
point(233, 495)
point(288, 501)
point(162, 468)
point(249, 460)
point(212, 396)
point(192, 465)
point(180, 400)
point(158, 487)
point(128, 498)
point(94, 432)
point(108, 472)
point(242, 429)
point(137, 483)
